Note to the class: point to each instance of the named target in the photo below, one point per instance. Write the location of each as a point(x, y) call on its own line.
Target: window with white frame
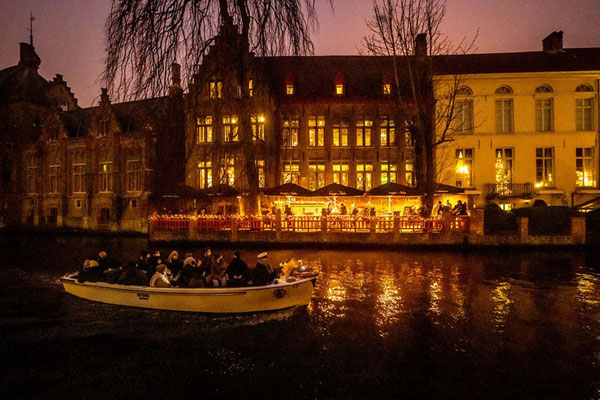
point(544, 112)
point(583, 114)
point(506, 156)
point(585, 167)
point(105, 176)
point(463, 115)
point(464, 168)
point(544, 167)
point(504, 115)
point(78, 178)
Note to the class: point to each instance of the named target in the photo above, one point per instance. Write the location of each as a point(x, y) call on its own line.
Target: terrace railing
point(508, 190)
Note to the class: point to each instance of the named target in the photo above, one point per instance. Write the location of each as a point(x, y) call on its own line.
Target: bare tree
point(409, 31)
point(146, 36)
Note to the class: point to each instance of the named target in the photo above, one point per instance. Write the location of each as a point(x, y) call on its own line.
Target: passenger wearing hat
point(263, 274)
point(238, 273)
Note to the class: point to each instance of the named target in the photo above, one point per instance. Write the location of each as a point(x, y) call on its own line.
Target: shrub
point(498, 221)
point(548, 220)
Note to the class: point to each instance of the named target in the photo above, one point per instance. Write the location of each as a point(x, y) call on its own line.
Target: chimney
point(553, 43)
point(421, 45)
point(28, 56)
point(104, 99)
point(175, 75)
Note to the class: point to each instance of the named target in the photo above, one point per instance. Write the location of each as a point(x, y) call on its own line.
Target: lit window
point(409, 137)
point(464, 168)
point(544, 167)
point(204, 129)
point(250, 88)
point(341, 172)
point(134, 176)
point(543, 115)
point(504, 171)
point(230, 128)
point(289, 89)
point(340, 134)
point(388, 172)
point(409, 168)
point(106, 177)
point(317, 175)
point(364, 176)
point(363, 132)
point(584, 167)
point(228, 176)
point(291, 172)
point(257, 122)
point(204, 174)
point(78, 178)
point(316, 131)
point(215, 89)
point(504, 115)
point(289, 131)
point(583, 114)
point(388, 133)
point(339, 89)
point(387, 89)
point(260, 169)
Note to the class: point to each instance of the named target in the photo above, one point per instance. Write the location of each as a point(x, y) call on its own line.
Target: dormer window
point(215, 89)
point(289, 89)
point(104, 128)
point(339, 83)
point(387, 89)
point(339, 90)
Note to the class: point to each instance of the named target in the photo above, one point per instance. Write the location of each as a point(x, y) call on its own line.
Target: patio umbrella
point(394, 189)
point(221, 190)
point(287, 189)
point(336, 189)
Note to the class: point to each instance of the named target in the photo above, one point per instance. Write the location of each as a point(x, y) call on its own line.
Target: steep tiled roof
point(20, 83)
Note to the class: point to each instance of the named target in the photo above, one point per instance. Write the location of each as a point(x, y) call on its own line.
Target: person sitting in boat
point(132, 275)
point(153, 262)
point(217, 273)
point(174, 264)
point(237, 271)
point(159, 279)
point(197, 276)
point(206, 262)
point(90, 272)
point(184, 276)
point(144, 261)
point(263, 274)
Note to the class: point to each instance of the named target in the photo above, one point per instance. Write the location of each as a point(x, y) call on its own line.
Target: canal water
point(405, 324)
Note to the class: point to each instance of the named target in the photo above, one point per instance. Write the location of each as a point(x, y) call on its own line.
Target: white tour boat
point(294, 291)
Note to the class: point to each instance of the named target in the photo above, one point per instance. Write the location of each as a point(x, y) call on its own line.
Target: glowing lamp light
point(261, 118)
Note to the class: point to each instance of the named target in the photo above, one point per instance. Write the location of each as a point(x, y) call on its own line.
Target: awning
point(336, 189)
point(441, 188)
point(394, 189)
point(221, 190)
point(287, 189)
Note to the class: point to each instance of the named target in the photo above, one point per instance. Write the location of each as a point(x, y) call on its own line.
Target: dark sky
point(69, 34)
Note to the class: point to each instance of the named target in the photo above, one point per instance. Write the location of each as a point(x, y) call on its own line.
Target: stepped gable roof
point(578, 59)
point(132, 116)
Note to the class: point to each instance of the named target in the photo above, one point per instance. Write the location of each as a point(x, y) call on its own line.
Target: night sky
point(69, 34)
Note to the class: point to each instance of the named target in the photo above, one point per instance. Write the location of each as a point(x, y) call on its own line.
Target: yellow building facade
point(519, 137)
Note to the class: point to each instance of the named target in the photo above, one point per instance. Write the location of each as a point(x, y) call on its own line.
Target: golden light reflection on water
point(502, 304)
point(588, 289)
point(389, 301)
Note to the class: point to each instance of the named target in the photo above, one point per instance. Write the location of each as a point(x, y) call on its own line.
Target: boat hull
point(217, 300)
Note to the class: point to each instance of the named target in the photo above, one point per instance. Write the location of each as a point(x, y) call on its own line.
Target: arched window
point(584, 88)
point(543, 89)
point(464, 91)
point(504, 89)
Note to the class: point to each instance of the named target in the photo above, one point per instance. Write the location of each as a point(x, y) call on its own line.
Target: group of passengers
point(205, 271)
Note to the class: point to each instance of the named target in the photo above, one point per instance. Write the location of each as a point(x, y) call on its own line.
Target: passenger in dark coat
point(153, 262)
point(90, 272)
point(263, 274)
point(238, 273)
point(174, 263)
point(131, 275)
point(144, 261)
point(105, 262)
point(185, 274)
point(207, 261)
